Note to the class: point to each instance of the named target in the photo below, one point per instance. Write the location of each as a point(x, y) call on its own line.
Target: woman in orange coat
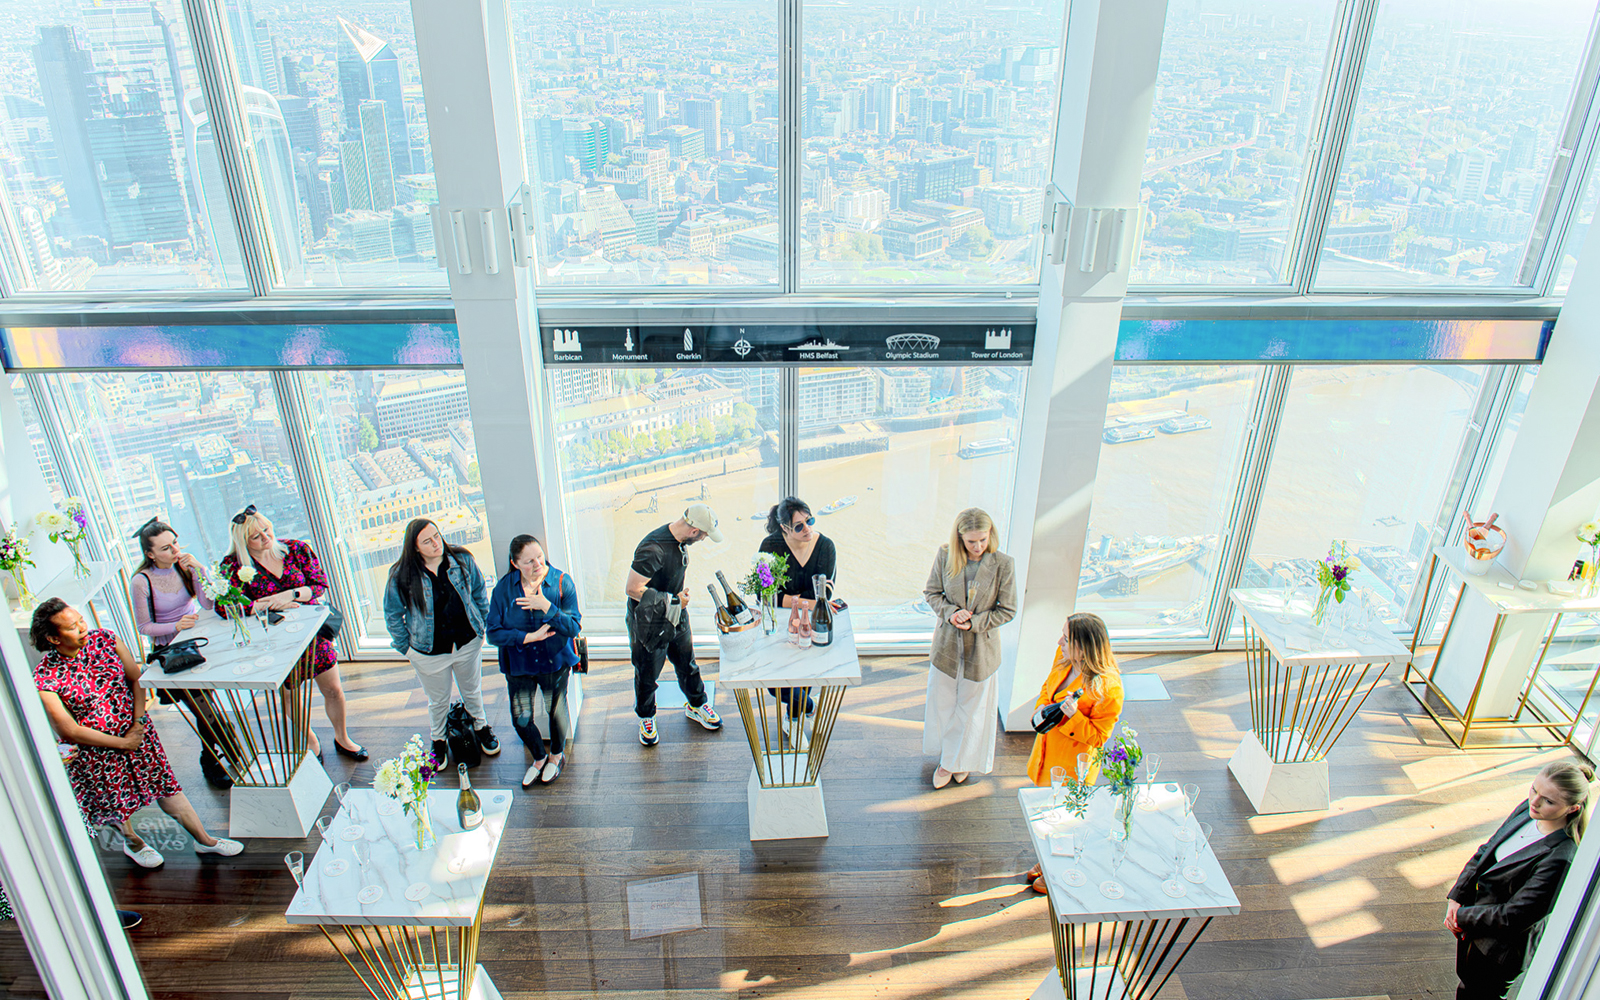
point(1084, 665)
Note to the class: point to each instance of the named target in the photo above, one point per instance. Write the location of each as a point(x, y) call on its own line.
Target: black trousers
point(1482, 978)
point(647, 665)
point(527, 691)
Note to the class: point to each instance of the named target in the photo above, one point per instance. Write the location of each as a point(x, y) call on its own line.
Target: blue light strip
point(269, 345)
point(1346, 341)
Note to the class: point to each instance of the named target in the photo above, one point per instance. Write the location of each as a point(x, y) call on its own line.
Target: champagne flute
point(1194, 873)
point(1058, 777)
point(262, 611)
point(1286, 588)
point(342, 790)
point(1073, 843)
point(1152, 765)
point(363, 853)
point(1172, 886)
point(1083, 769)
point(297, 866)
point(1190, 794)
point(1111, 888)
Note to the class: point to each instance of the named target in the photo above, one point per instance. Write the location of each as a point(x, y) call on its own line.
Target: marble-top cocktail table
point(1129, 946)
point(411, 916)
point(239, 693)
point(1306, 684)
point(785, 794)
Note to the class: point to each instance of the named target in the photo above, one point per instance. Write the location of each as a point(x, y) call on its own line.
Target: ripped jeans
point(527, 707)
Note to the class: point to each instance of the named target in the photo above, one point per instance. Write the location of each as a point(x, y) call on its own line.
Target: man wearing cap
point(658, 619)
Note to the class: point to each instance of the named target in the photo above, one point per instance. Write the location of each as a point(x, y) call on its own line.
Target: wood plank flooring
point(916, 893)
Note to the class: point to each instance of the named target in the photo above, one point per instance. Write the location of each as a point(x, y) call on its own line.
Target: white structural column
point(471, 96)
point(1550, 487)
point(1108, 82)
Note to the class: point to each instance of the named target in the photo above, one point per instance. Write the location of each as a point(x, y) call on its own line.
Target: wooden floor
point(915, 894)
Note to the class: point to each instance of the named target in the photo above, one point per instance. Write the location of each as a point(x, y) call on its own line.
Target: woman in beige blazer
point(972, 591)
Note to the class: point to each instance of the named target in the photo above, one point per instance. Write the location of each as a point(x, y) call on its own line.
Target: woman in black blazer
point(1509, 886)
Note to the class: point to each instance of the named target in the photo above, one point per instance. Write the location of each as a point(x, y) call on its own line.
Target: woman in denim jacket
point(434, 607)
point(533, 618)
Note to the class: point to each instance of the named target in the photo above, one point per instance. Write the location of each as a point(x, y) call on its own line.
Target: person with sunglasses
point(167, 598)
point(792, 532)
point(286, 574)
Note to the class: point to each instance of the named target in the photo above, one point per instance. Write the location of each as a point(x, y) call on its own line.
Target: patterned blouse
point(300, 569)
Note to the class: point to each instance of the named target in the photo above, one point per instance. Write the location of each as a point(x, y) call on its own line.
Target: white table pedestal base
point(786, 813)
point(280, 811)
point(1107, 982)
point(1274, 787)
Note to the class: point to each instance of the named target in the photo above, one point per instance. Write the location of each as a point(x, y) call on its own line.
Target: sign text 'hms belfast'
point(768, 345)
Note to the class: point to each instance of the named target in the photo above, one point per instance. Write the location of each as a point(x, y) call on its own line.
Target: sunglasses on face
point(239, 517)
point(808, 522)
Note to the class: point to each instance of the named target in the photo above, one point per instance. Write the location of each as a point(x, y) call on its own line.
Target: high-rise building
point(376, 144)
point(369, 70)
point(353, 168)
point(300, 119)
point(654, 105)
point(139, 185)
point(705, 115)
point(1280, 89)
point(71, 99)
point(290, 75)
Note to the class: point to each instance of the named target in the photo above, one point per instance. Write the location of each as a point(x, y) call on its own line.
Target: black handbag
point(176, 657)
point(331, 625)
point(462, 736)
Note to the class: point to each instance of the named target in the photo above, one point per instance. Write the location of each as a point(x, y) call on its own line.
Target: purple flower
point(1340, 572)
point(1118, 754)
point(765, 573)
point(83, 522)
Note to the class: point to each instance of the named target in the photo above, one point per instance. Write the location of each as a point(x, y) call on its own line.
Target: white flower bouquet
point(405, 779)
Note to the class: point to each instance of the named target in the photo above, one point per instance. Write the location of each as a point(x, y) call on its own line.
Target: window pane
point(36, 440)
point(1236, 102)
point(637, 446)
point(1460, 108)
point(888, 457)
point(109, 176)
point(1363, 455)
point(341, 136)
point(193, 448)
point(1577, 233)
point(1163, 491)
point(927, 131)
point(652, 140)
point(390, 447)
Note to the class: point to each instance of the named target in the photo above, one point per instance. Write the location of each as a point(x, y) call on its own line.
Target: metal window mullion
point(315, 495)
point(1266, 413)
point(218, 73)
point(788, 432)
point(1341, 91)
point(789, 145)
point(1569, 172)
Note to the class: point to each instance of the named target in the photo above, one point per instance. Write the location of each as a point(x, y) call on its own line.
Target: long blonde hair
point(1573, 781)
point(241, 532)
point(1087, 634)
point(971, 519)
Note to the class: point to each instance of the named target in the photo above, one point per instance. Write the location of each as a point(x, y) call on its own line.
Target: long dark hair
point(408, 573)
point(517, 545)
point(782, 513)
point(147, 538)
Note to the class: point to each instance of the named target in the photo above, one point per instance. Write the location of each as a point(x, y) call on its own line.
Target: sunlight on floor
point(1333, 913)
point(998, 892)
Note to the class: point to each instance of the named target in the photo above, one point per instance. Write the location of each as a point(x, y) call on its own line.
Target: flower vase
point(239, 615)
point(421, 822)
point(1324, 599)
point(80, 569)
point(1122, 815)
point(24, 595)
point(769, 614)
point(1591, 574)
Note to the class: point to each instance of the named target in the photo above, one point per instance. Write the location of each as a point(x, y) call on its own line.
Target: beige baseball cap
point(703, 518)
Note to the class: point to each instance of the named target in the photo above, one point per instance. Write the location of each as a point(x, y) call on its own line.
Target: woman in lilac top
point(167, 599)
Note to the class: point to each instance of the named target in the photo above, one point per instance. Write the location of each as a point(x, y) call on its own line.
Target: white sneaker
point(144, 857)
point(225, 847)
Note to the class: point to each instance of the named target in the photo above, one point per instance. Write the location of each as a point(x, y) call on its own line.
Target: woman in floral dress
point(282, 575)
point(89, 684)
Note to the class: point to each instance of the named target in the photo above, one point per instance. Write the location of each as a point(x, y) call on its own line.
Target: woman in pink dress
point(287, 575)
point(90, 688)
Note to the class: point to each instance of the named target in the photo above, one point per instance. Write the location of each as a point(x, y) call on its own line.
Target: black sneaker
point(441, 753)
point(216, 775)
point(486, 741)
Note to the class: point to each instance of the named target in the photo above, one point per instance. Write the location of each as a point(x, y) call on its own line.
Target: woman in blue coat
point(533, 618)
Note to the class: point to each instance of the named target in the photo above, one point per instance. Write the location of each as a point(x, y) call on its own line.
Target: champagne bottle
point(724, 619)
point(735, 604)
point(821, 622)
point(1050, 716)
point(469, 808)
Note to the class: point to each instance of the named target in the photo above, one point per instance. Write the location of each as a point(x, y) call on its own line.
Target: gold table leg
point(1121, 960)
point(788, 750)
point(412, 963)
point(1315, 702)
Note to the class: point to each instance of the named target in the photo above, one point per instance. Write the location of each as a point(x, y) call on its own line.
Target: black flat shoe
point(359, 753)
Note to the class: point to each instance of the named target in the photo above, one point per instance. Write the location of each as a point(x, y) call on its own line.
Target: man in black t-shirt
point(658, 619)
